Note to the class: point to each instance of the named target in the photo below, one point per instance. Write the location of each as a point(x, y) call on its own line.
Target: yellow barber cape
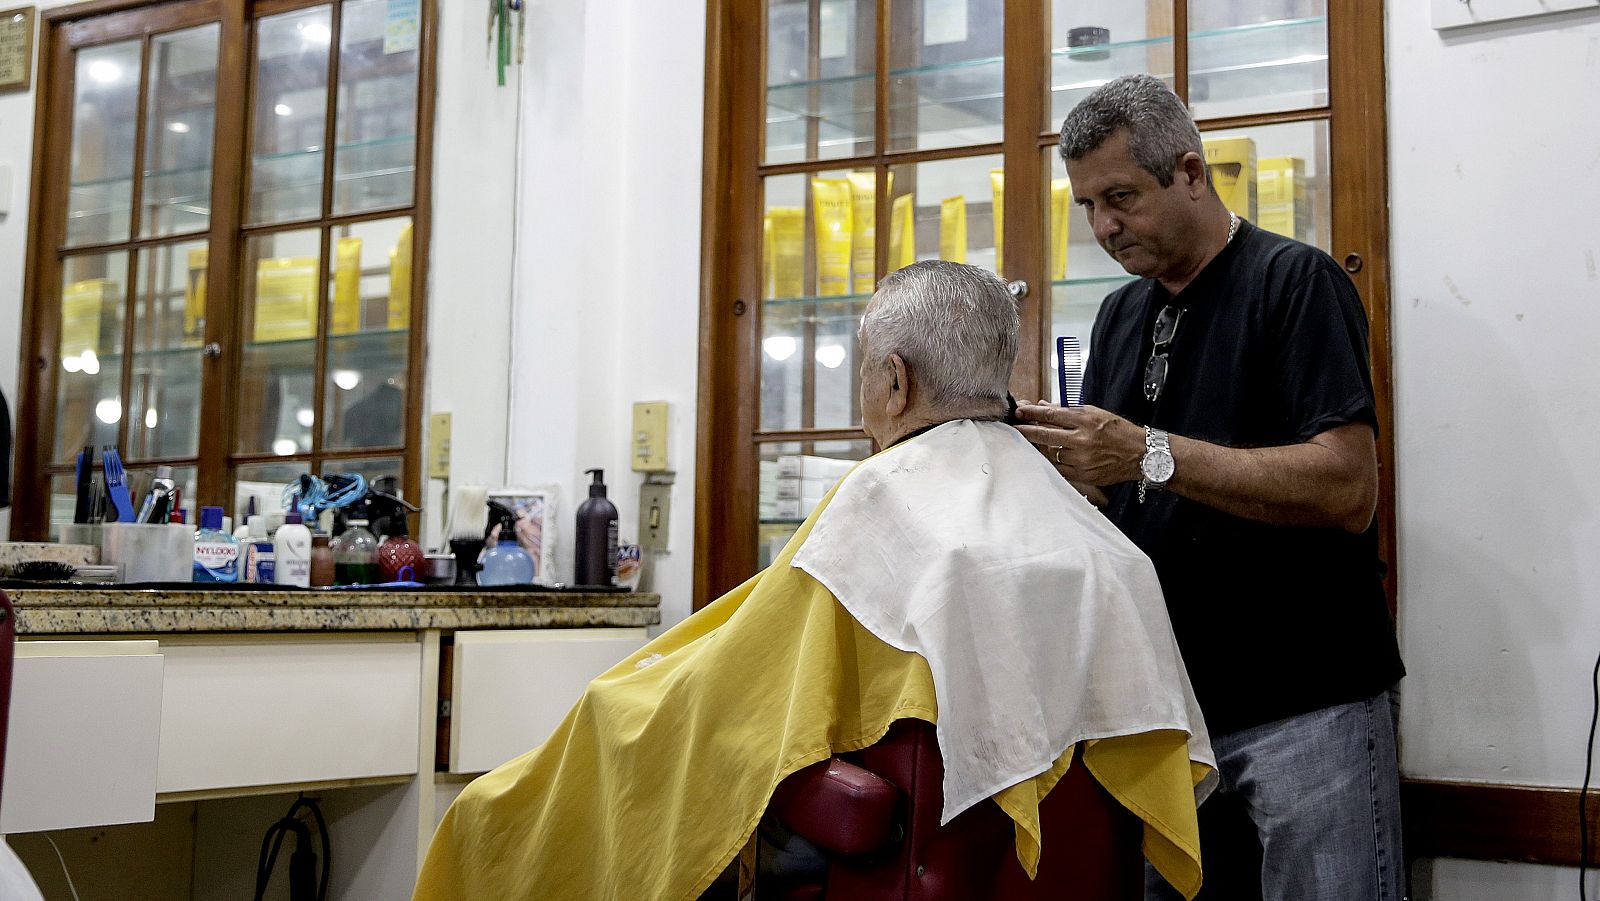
point(658, 777)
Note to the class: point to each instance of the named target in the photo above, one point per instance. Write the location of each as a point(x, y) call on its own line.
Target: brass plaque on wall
point(16, 48)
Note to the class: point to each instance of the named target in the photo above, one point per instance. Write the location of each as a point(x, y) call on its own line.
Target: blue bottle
point(216, 553)
point(506, 563)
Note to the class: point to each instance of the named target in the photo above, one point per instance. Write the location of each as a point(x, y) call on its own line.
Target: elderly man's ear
point(899, 387)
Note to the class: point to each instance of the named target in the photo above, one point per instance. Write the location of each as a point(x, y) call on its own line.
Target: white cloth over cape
point(1042, 624)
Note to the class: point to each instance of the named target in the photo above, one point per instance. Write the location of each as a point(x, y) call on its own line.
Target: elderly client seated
point(953, 577)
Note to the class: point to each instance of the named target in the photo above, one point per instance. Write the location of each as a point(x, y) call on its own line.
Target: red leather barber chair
point(876, 814)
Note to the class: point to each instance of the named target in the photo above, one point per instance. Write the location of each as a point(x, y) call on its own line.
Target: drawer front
point(240, 713)
point(84, 730)
point(510, 689)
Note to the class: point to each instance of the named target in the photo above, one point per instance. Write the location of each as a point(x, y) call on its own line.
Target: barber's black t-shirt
point(1272, 621)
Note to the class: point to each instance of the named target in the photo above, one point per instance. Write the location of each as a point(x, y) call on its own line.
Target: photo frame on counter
point(536, 509)
point(16, 48)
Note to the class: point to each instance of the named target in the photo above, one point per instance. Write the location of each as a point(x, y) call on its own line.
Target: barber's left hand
point(1085, 444)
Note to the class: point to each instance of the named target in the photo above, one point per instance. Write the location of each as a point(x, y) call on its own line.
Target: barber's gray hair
point(955, 326)
point(1160, 129)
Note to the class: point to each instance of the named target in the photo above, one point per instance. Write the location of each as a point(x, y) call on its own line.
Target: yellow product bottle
point(953, 229)
point(346, 288)
point(194, 297)
point(80, 316)
point(1060, 226)
point(864, 235)
point(769, 273)
point(830, 201)
point(1232, 163)
point(902, 233)
point(997, 180)
point(400, 280)
point(286, 299)
point(787, 270)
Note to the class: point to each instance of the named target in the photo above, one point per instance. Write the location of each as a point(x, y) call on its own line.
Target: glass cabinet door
point(229, 265)
point(1257, 82)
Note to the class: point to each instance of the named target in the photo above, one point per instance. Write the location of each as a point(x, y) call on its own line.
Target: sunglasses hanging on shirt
point(1155, 371)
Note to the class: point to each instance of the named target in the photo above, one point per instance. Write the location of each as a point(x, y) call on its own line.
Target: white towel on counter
point(1042, 624)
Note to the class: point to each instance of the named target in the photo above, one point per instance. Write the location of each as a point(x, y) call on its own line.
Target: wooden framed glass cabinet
point(227, 245)
point(847, 138)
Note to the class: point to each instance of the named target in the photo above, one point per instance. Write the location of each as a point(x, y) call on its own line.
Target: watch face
point(1157, 466)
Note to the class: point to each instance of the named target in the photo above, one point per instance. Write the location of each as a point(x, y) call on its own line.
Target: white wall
point(1495, 209)
point(609, 258)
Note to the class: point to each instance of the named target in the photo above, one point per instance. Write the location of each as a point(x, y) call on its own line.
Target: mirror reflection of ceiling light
point(830, 355)
point(178, 128)
point(105, 71)
point(779, 347)
point(72, 364)
point(150, 418)
point(108, 410)
point(305, 416)
point(285, 447)
point(283, 109)
point(347, 379)
point(90, 363)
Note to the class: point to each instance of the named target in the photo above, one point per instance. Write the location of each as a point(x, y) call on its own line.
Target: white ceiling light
point(108, 411)
point(779, 347)
point(283, 109)
point(71, 364)
point(150, 418)
point(830, 355)
point(105, 71)
point(178, 128)
point(315, 32)
point(90, 363)
point(305, 416)
point(285, 447)
point(347, 379)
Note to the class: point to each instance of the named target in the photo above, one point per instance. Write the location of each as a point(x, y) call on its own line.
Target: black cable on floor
point(1583, 793)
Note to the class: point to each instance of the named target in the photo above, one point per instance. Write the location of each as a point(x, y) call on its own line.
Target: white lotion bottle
point(291, 552)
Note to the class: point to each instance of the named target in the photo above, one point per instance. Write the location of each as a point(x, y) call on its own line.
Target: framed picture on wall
point(536, 532)
point(16, 48)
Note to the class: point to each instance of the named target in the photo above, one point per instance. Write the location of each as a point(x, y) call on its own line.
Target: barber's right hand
point(1087, 445)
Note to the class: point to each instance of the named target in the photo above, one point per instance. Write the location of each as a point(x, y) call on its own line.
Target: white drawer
point(510, 689)
point(253, 712)
point(83, 736)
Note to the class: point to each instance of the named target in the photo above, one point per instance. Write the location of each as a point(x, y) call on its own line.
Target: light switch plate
point(650, 436)
point(439, 446)
point(655, 510)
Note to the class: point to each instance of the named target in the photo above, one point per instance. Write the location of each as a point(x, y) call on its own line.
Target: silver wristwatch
point(1157, 465)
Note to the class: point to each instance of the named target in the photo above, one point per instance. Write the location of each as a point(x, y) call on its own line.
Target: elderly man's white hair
point(955, 326)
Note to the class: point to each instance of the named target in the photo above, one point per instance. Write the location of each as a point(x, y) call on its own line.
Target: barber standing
point(1229, 419)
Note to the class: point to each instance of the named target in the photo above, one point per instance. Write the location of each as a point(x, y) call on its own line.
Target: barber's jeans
point(1307, 809)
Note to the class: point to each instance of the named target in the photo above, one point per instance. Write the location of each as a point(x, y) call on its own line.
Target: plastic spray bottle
point(506, 563)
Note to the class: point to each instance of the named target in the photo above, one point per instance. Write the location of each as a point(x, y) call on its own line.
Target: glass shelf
point(94, 191)
point(1226, 64)
point(829, 298)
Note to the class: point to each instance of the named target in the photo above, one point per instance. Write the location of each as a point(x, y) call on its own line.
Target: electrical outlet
point(439, 446)
point(650, 436)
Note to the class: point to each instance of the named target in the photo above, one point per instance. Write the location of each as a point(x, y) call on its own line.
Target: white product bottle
point(291, 551)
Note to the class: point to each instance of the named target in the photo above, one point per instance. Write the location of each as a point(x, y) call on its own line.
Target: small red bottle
point(399, 558)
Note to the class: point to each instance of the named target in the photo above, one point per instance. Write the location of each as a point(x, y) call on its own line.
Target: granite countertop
point(108, 609)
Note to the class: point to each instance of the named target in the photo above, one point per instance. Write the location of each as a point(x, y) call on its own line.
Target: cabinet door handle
point(1018, 288)
point(212, 351)
point(1353, 262)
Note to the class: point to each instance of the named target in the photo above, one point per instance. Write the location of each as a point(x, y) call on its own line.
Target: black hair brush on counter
point(39, 571)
